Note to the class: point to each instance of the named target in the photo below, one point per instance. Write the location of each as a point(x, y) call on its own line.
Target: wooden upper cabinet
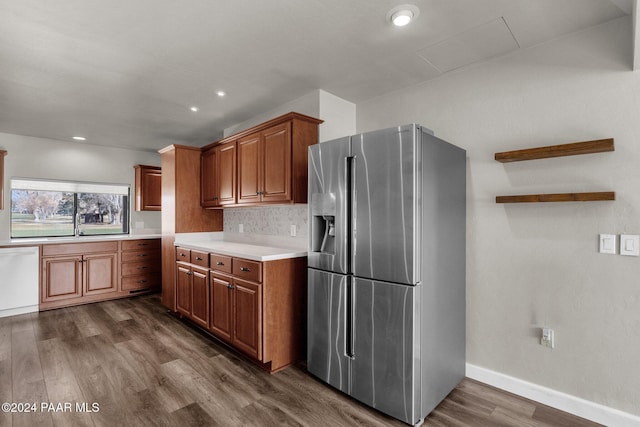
point(276, 161)
point(219, 175)
point(271, 162)
point(209, 193)
point(264, 166)
point(2, 154)
point(249, 169)
point(148, 188)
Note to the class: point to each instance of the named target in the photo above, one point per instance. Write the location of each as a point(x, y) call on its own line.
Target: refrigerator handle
point(349, 324)
point(351, 208)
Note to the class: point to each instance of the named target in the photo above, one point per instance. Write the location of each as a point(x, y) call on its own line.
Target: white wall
point(339, 117)
point(530, 265)
point(307, 104)
point(51, 159)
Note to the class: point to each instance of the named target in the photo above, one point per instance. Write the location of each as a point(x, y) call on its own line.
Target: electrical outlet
point(547, 338)
point(240, 228)
point(293, 230)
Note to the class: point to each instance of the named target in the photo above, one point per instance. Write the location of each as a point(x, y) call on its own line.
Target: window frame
point(76, 188)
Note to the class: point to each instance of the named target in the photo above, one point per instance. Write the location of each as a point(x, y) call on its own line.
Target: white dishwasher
point(18, 280)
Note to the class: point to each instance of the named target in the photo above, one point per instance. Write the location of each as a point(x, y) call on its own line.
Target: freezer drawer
point(385, 369)
point(326, 323)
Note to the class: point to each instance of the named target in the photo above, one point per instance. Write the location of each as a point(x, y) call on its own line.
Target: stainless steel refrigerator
point(386, 277)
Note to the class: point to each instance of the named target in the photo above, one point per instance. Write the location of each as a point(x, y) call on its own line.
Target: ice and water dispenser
point(323, 223)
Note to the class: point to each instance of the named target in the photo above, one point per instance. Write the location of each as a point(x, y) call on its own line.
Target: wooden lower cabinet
point(192, 286)
point(183, 288)
point(141, 265)
point(61, 278)
point(221, 304)
point(247, 317)
point(83, 272)
point(200, 297)
point(100, 273)
point(256, 307)
point(73, 273)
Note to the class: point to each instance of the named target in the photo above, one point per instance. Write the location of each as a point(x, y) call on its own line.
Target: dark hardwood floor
point(144, 367)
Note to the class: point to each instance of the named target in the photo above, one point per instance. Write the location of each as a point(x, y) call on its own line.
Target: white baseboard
point(20, 310)
point(556, 399)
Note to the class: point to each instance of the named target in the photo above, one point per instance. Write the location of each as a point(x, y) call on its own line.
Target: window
point(57, 208)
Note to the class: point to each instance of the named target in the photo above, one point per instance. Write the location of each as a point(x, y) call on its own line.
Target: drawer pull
point(245, 269)
point(142, 268)
point(219, 263)
point(142, 244)
point(199, 259)
point(189, 273)
point(142, 281)
point(181, 254)
point(230, 287)
point(142, 255)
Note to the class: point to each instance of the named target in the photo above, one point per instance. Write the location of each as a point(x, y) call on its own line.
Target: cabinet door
point(276, 185)
point(200, 295)
point(249, 169)
point(209, 184)
point(183, 289)
point(221, 304)
point(61, 278)
point(100, 273)
point(247, 318)
point(226, 177)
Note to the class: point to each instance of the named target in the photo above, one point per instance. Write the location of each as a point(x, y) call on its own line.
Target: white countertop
point(33, 241)
point(257, 252)
point(244, 250)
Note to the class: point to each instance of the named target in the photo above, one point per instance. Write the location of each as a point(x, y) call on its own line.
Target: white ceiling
point(125, 72)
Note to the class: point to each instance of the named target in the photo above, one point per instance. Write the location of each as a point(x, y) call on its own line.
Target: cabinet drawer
point(183, 254)
point(79, 248)
point(138, 245)
point(144, 267)
point(221, 263)
point(200, 258)
point(140, 256)
point(249, 270)
point(143, 281)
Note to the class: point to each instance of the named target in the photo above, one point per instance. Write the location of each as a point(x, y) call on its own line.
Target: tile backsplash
point(269, 220)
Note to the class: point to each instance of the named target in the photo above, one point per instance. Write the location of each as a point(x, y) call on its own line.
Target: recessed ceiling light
point(79, 138)
point(403, 14)
point(221, 93)
point(194, 109)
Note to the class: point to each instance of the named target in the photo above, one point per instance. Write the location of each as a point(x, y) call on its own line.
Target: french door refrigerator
point(386, 276)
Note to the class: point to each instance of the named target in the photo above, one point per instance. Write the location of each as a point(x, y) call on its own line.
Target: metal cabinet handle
point(189, 273)
point(219, 263)
point(181, 254)
point(142, 267)
point(230, 286)
point(199, 259)
point(244, 269)
point(143, 255)
point(142, 281)
point(142, 244)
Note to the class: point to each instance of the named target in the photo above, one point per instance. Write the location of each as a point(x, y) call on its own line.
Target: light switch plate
point(630, 244)
point(607, 243)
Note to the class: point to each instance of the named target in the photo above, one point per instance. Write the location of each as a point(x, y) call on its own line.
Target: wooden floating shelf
point(586, 147)
point(562, 197)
